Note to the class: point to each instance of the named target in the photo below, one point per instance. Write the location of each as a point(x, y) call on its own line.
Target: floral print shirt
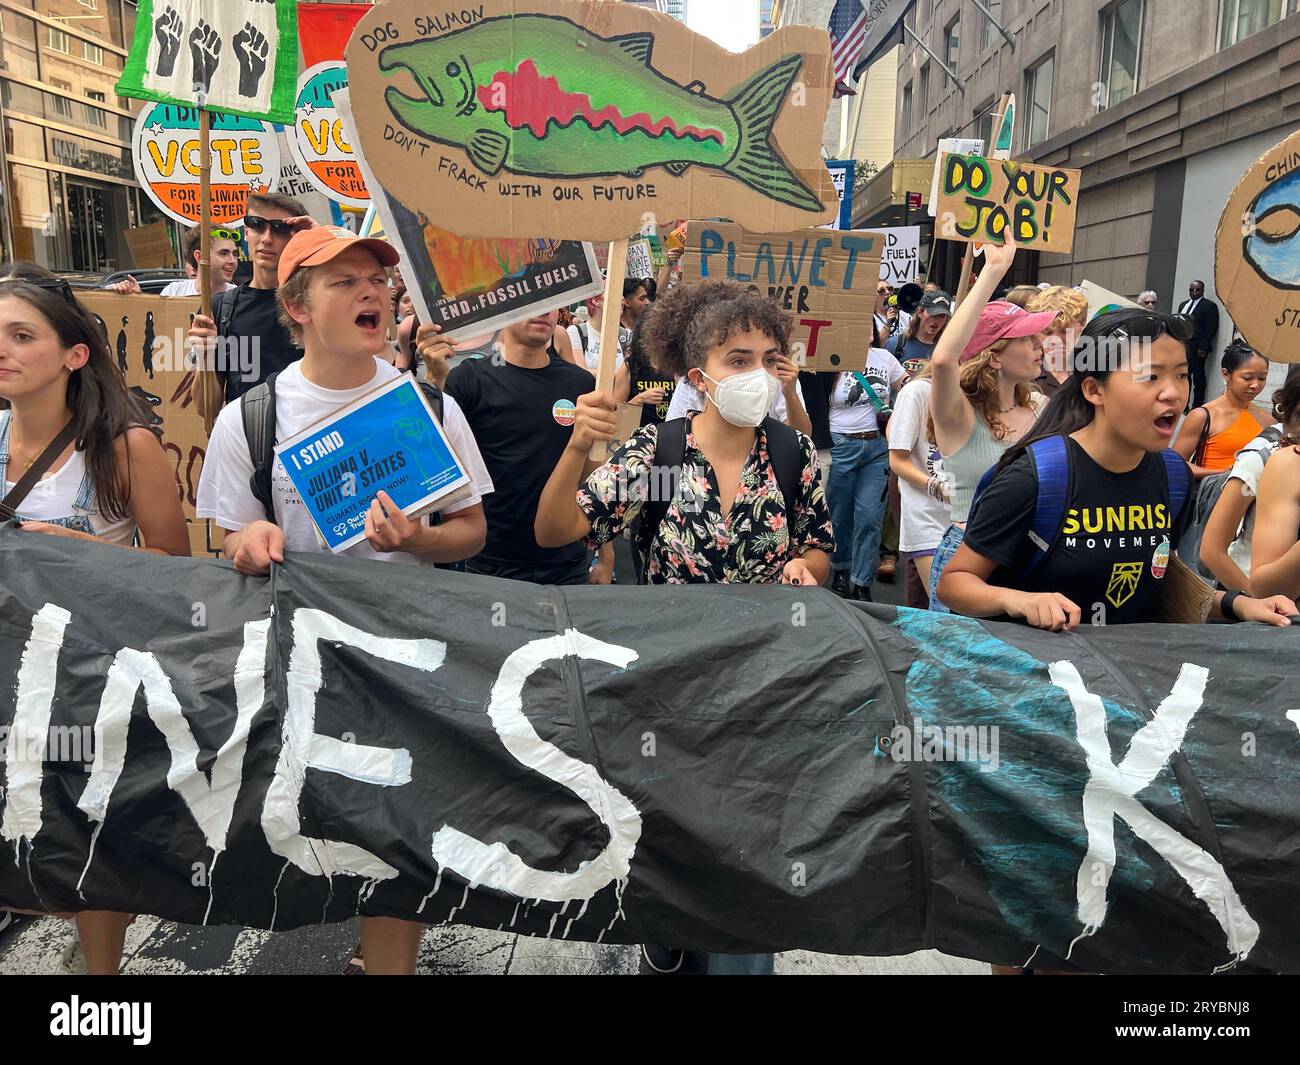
point(695, 544)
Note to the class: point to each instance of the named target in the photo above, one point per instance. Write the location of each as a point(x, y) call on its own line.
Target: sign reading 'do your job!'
point(982, 200)
point(824, 278)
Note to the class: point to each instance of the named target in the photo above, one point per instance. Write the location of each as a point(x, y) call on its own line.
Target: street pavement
point(158, 947)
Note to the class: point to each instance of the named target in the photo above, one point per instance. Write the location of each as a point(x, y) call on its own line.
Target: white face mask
point(744, 399)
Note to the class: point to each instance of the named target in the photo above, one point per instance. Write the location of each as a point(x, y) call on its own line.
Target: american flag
point(848, 30)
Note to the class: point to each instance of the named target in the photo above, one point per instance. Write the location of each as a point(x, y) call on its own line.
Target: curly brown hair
point(687, 320)
point(979, 383)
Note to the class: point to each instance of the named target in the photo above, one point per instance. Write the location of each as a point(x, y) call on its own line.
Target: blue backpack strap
point(1051, 457)
point(1178, 475)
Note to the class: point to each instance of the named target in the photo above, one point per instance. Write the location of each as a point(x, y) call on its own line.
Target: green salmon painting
point(575, 96)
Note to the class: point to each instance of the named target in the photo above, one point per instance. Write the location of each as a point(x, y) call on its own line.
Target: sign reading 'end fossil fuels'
point(543, 118)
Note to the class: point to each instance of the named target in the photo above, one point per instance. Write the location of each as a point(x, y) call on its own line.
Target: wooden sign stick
point(207, 391)
point(610, 320)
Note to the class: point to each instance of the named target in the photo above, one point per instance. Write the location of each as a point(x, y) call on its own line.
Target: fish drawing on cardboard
point(585, 105)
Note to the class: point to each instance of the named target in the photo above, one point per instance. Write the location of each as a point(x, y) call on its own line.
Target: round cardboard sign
point(1257, 253)
point(318, 141)
point(165, 148)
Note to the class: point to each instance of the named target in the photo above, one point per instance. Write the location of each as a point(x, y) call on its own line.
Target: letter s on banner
point(495, 865)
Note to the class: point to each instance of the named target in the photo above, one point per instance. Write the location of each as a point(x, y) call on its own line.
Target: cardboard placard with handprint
point(387, 440)
point(239, 56)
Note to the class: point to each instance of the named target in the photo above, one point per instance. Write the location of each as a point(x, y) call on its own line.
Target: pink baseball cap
point(1001, 320)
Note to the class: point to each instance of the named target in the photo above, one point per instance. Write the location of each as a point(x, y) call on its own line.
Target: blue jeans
point(855, 492)
point(942, 556)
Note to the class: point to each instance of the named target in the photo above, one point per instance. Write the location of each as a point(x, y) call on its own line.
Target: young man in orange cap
point(334, 300)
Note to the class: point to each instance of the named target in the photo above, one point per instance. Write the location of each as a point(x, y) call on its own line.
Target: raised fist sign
point(251, 49)
point(167, 30)
point(205, 48)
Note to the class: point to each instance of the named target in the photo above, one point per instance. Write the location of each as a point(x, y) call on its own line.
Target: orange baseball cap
point(318, 245)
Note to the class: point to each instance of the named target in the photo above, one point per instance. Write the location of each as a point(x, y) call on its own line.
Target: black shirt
point(522, 420)
point(1111, 545)
point(256, 318)
point(644, 377)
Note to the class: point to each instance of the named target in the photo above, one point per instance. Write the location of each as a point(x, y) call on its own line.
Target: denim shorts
point(952, 539)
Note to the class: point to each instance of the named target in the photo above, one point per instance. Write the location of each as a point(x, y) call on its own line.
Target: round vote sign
point(245, 158)
point(319, 143)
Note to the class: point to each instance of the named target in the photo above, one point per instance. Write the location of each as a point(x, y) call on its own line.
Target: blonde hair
point(1021, 295)
point(1071, 307)
point(293, 291)
point(979, 383)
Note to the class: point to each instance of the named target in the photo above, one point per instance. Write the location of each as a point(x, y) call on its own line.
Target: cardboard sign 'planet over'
point(538, 118)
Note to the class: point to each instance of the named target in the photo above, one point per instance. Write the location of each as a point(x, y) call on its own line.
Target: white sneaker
point(73, 962)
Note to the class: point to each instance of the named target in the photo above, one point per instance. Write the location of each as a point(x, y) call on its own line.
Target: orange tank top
point(1222, 448)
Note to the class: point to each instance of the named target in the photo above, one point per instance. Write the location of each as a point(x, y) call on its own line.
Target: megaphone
point(908, 297)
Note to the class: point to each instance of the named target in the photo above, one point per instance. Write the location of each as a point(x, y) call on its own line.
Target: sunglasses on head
point(1151, 326)
point(255, 223)
point(53, 284)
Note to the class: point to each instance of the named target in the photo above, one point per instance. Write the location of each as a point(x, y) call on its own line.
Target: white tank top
point(65, 497)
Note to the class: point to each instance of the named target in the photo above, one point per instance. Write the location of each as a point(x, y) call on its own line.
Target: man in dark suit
point(1205, 312)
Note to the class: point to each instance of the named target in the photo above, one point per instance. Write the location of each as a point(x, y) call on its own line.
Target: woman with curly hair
point(981, 401)
point(729, 521)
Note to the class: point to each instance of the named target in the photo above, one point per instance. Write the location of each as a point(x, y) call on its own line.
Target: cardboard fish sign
point(1257, 253)
point(581, 118)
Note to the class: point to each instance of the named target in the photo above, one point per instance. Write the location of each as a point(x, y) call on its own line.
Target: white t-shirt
point(686, 397)
point(1247, 468)
point(922, 518)
point(189, 287)
point(850, 410)
point(65, 497)
point(224, 492)
point(590, 354)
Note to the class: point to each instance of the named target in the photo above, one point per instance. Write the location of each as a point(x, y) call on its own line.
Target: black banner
point(724, 768)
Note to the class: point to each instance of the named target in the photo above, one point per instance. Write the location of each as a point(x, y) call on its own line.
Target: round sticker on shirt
point(1160, 560)
point(565, 412)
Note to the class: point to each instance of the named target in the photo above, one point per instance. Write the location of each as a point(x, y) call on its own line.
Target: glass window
point(60, 105)
point(1121, 45)
point(56, 40)
point(1038, 101)
point(923, 94)
point(93, 52)
point(987, 29)
point(984, 124)
point(1241, 18)
point(89, 5)
point(907, 107)
point(94, 115)
point(951, 43)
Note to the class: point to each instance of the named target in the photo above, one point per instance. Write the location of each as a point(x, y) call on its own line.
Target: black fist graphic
point(205, 48)
point(251, 49)
point(168, 32)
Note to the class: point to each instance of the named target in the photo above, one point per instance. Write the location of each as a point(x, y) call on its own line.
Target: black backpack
point(257, 407)
point(670, 452)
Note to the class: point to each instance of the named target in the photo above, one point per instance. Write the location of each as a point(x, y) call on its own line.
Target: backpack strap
point(225, 310)
point(257, 408)
point(787, 459)
point(434, 395)
point(670, 453)
point(1198, 456)
point(1178, 476)
point(1051, 457)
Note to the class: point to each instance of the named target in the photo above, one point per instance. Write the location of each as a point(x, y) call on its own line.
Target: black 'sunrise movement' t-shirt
point(1114, 543)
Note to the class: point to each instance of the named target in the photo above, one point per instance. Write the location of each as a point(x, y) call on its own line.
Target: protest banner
point(989, 790)
point(324, 29)
point(239, 57)
point(168, 161)
point(1257, 253)
point(388, 440)
point(826, 279)
point(526, 118)
point(469, 286)
point(1101, 300)
point(842, 173)
point(151, 246)
point(319, 144)
point(981, 200)
point(147, 336)
point(900, 254)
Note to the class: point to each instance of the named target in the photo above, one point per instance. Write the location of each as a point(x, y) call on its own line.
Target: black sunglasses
point(255, 223)
point(53, 284)
point(1150, 326)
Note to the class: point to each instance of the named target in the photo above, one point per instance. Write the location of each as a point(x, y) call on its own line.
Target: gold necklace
point(29, 463)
